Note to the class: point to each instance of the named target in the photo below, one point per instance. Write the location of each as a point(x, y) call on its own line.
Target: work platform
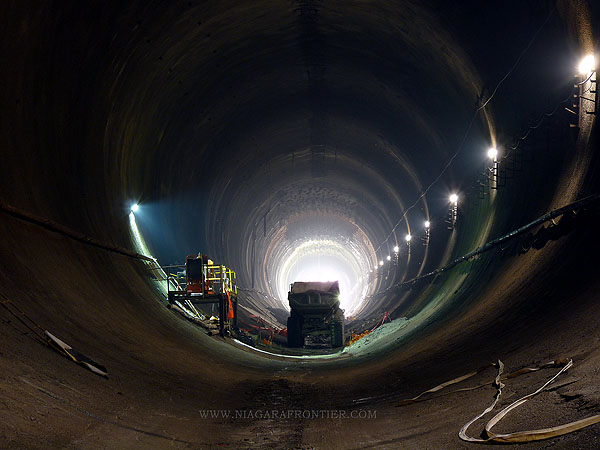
point(206, 283)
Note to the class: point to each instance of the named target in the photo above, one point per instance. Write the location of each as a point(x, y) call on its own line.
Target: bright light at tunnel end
point(327, 260)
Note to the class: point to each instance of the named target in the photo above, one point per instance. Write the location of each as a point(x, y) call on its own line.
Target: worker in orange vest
point(230, 313)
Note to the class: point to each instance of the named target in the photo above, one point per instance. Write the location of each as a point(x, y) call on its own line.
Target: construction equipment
point(208, 283)
point(316, 319)
point(273, 334)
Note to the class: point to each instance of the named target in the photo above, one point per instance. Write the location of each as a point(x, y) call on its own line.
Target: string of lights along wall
point(502, 160)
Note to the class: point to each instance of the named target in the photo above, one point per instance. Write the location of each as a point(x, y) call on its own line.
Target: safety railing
point(221, 277)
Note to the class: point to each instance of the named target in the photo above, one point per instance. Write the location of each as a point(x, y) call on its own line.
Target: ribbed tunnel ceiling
point(287, 139)
point(312, 110)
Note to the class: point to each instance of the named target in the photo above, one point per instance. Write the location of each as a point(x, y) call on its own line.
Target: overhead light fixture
point(135, 207)
point(396, 249)
point(454, 198)
point(388, 257)
point(381, 262)
point(587, 65)
point(492, 153)
point(407, 238)
point(427, 224)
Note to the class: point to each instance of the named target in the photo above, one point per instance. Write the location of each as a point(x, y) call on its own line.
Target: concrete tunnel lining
point(320, 120)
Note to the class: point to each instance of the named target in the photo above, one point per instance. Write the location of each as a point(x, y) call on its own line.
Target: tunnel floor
point(161, 383)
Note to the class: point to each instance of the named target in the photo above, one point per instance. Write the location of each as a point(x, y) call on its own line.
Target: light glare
point(427, 224)
point(408, 237)
point(396, 249)
point(381, 262)
point(493, 153)
point(587, 65)
point(135, 207)
point(325, 260)
point(454, 198)
point(389, 258)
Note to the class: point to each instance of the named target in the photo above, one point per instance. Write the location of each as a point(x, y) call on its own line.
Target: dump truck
point(316, 320)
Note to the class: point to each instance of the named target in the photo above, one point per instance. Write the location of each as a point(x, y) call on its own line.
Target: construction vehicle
point(207, 283)
point(316, 320)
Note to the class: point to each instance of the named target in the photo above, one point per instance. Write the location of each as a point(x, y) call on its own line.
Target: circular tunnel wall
point(316, 126)
point(288, 139)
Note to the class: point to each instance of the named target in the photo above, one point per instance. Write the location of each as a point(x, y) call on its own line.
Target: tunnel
point(292, 140)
